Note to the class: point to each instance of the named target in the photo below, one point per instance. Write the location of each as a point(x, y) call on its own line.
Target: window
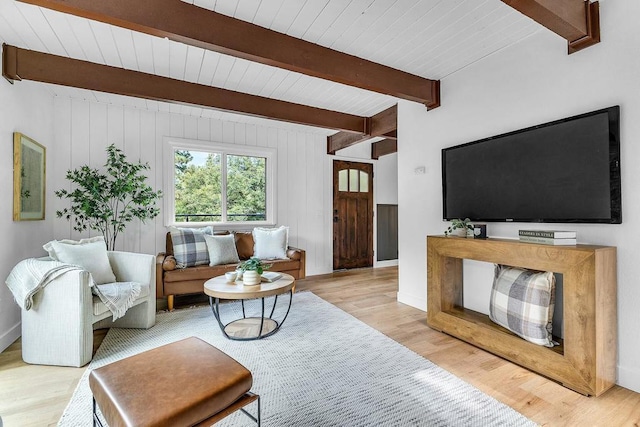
point(219, 184)
point(353, 180)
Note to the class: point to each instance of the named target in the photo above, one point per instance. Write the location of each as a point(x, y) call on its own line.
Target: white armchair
point(58, 329)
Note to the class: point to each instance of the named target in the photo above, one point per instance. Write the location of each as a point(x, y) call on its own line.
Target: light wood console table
point(586, 359)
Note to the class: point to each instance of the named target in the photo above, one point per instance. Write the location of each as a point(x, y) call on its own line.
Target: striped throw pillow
point(522, 301)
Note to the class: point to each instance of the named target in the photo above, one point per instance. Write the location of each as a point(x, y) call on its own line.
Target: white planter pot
point(462, 232)
point(251, 277)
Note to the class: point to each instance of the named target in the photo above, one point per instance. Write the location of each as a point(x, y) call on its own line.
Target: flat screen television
point(566, 171)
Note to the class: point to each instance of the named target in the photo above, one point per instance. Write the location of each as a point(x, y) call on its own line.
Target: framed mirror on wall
point(29, 174)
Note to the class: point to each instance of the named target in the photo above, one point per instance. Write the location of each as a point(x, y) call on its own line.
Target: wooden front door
point(352, 215)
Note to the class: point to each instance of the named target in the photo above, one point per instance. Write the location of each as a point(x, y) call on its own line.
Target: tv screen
point(564, 171)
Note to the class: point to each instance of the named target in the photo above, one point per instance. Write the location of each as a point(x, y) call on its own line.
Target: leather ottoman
point(185, 383)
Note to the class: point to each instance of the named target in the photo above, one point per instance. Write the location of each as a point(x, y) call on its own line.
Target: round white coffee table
point(249, 328)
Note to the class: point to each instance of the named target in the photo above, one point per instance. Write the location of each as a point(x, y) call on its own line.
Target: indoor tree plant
point(251, 270)
point(458, 226)
point(107, 200)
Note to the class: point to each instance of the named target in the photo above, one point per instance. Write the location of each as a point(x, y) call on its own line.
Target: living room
point(526, 83)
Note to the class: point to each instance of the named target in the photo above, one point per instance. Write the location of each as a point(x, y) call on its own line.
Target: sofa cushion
point(270, 243)
point(205, 272)
point(189, 246)
point(523, 301)
point(222, 249)
point(200, 272)
point(90, 254)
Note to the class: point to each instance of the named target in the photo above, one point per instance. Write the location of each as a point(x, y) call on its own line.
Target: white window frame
point(173, 144)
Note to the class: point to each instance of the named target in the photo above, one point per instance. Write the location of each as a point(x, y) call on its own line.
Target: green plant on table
point(107, 201)
point(254, 264)
point(457, 224)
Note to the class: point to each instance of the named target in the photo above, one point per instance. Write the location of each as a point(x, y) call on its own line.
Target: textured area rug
point(323, 368)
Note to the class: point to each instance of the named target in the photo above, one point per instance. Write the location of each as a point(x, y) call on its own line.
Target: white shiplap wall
point(27, 109)
point(85, 128)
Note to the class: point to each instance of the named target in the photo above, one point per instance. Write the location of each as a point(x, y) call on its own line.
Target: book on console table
point(549, 234)
point(548, 240)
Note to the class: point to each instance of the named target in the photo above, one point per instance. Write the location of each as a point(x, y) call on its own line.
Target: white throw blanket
point(31, 275)
point(118, 297)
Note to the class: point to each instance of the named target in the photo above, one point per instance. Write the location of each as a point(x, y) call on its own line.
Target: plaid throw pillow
point(189, 246)
point(522, 301)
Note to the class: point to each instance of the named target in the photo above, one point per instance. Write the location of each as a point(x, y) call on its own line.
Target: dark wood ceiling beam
point(21, 64)
point(382, 124)
point(200, 27)
point(391, 135)
point(342, 140)
point(383, 147)
point(577, 21)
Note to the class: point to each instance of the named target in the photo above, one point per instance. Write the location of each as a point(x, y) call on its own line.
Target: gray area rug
point(323, 368)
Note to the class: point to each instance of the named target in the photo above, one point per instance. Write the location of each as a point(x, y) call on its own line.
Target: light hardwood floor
point(36, 395)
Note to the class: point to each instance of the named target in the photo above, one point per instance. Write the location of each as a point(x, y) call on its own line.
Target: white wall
point(386, 180)
point(529, 83)
point(28, 109)
point(84, 129)
point(304, 190)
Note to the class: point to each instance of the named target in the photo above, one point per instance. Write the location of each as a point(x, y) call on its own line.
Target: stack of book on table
point(548, 237)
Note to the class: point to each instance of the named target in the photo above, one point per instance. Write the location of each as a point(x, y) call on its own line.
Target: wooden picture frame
point(29, 178)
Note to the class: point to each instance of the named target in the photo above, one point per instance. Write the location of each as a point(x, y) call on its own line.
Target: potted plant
point(107, 201)
point(459, 227)
point(251, 270)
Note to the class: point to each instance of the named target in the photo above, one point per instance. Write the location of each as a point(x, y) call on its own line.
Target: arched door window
point(353, 181)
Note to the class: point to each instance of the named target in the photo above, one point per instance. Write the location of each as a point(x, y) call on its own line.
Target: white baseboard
point(10, 336)
point(419, 303)
point(629, 378)
point(388, 263)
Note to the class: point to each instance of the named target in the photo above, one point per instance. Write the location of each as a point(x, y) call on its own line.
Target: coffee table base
point(250, 328)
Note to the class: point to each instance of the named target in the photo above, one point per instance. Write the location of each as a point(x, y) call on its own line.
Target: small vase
point(461, 232)
point(251, 277)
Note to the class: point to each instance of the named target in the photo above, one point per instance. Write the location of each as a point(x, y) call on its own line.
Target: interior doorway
point(352, 215)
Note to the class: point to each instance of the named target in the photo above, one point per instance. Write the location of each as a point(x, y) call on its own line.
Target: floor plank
point(36, 395)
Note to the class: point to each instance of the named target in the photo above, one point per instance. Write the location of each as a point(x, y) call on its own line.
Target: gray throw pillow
point(222, 249)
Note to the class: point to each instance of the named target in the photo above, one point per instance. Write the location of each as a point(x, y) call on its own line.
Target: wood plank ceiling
point(428, 38)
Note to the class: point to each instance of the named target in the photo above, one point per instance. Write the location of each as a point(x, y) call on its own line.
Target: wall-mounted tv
point(566, 171)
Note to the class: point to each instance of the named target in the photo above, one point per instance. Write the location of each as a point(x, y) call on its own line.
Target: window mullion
point(223, 186)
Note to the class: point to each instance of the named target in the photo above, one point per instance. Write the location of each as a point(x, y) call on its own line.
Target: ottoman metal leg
point(96, 419)
point(257, 417)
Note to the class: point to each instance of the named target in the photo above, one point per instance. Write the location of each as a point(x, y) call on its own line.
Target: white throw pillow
point(270, 243)
point(90, 254)
point(222, 249)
